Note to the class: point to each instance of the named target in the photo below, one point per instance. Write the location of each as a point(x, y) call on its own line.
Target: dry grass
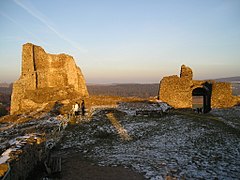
point(98, 101)
point(65, 106)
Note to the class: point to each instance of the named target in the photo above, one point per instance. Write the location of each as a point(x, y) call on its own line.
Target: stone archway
point(178, 91)
point(202, 97)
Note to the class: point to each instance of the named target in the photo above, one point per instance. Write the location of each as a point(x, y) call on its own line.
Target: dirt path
point(75, 168)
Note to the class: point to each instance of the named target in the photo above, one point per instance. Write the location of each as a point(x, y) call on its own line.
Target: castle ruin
point(45, 78)
point(179, 91)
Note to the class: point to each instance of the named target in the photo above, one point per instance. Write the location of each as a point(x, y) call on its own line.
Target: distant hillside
point(4, 85)
point(4, 103)
point(6, 88)
point(229, 79)
point(5, 98)
point(127, 90)
point(146, 90)
point(124, 90)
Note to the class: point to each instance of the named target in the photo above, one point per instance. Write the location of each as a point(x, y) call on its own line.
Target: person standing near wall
point(83, 107)
point(76, 109)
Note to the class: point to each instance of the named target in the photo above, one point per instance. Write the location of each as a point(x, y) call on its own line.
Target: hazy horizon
point(113, 83)
point(124, 41)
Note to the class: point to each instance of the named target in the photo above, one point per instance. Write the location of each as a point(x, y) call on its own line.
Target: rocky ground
point(178, 144)
point(181, 144)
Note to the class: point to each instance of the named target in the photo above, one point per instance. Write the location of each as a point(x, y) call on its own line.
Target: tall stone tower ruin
point(45, 78)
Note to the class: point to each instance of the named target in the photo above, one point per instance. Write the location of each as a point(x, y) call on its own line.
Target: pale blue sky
point(125, 41)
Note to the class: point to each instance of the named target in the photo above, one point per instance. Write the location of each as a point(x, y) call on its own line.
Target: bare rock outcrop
point(45, 78)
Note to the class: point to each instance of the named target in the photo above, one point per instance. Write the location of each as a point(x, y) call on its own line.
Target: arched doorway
point(201, 98)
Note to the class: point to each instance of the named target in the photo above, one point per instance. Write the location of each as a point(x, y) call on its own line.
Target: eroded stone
point(178, 91)
point(46, 78)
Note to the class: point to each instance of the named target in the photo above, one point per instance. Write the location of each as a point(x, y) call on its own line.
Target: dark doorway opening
point(197, 102)
point(201, 98)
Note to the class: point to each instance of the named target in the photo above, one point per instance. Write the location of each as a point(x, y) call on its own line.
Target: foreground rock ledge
point(44, 78)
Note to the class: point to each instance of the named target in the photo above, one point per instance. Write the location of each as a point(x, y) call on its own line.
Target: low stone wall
point(21, 152)
point(32, 154)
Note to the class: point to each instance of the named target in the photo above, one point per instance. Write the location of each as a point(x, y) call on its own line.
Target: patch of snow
point(175, 145)
point(35, 129)
point(130, 108)
point(5, 156)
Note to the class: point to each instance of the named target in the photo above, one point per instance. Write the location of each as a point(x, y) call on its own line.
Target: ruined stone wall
point(186, 72)
point(222, 95)
point(177, 91)
point(45, 77)
point(31, 156)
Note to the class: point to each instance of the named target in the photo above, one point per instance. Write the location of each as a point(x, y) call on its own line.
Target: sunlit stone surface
point(44, 78)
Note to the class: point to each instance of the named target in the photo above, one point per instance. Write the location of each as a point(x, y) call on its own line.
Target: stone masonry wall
point(222, 95)
point(177, 91)
point(186, 72)
point(45, 77)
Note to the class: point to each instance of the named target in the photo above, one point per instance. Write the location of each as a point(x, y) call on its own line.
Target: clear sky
point(125, 41)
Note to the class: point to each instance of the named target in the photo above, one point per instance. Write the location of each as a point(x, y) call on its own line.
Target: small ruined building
point(45, 78)
point(184, 92)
